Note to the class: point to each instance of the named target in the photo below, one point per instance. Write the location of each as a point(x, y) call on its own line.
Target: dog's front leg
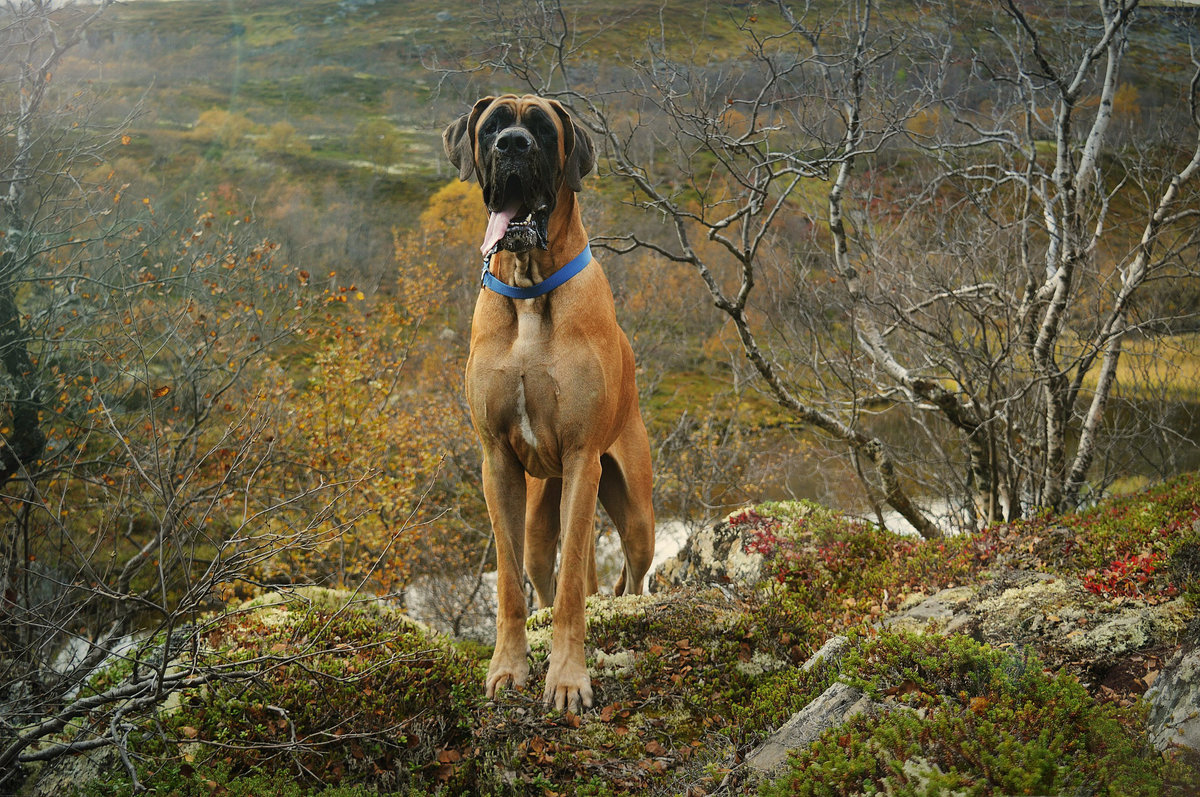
point(504, 490)
point(567, 681)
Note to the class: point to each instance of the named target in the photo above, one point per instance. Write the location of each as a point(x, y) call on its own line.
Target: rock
point(829, 655)
point(1064, 621)
point(1174, 700)
point(945, 612)
point(1131, 629)
point(835, 706)
point(63, 775)
point(715, 555)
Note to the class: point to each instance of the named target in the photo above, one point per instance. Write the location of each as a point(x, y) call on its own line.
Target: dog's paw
point(506, 671)
point(568, 686)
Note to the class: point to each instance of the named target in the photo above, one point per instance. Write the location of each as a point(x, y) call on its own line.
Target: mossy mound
point(958, 717)
point(682, 680)
point(347, 692)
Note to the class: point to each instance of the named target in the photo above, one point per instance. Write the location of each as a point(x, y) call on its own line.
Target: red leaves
point(1128, 578)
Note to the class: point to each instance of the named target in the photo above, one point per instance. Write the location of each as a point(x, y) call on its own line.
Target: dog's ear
point(458, 139)
point(577, 148)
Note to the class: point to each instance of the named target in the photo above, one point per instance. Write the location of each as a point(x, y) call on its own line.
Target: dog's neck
point(567, 239)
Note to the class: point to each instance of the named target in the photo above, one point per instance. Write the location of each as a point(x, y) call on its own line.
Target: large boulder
point(724, 552)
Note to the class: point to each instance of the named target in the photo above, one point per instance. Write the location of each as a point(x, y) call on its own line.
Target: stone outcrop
point(1064, 622)
point(712, 555)
point(1174, 701)
point(836, 705)
point(948, 611)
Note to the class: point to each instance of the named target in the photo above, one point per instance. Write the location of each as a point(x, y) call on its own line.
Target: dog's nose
point(514, 141)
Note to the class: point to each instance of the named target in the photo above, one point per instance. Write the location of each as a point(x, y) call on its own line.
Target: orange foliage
point(380, 409)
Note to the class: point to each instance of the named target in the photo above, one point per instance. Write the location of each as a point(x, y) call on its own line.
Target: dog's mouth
point(519, 222)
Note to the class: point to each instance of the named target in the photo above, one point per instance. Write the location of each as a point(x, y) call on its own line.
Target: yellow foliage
point(454, 214)
point(383, 398)
point(925, 123)
point(224, 127)
point(1127, 102)
point(283, 137)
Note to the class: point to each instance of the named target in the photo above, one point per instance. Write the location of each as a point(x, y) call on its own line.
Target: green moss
point(966, 718)
point(347, 694)
point(777, 697)
point(671, 673)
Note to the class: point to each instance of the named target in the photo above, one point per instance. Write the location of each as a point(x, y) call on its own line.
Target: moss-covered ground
point(353, 698)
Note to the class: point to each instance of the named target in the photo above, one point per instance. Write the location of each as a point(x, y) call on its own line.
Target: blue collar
point(492, 283)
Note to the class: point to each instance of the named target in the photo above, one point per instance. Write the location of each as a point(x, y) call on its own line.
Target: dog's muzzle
point(518, 194)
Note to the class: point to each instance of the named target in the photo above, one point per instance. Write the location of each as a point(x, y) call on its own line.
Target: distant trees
point(989, 230)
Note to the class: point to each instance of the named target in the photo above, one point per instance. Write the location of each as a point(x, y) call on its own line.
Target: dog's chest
point(515, 392)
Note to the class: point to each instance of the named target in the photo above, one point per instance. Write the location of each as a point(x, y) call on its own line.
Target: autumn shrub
point(371, 399)
point(831, 572)
point(1128, 546)
point(961, 717)
point(1128, 578)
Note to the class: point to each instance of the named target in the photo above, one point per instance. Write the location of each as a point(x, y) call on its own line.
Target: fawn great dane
point(550, 384)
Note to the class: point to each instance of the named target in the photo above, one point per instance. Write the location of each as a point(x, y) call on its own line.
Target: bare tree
point(1016, 333)
point(743, 139)
point(34, 37)
point(964, 263)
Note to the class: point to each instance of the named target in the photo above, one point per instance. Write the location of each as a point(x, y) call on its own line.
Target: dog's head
point(524, 150)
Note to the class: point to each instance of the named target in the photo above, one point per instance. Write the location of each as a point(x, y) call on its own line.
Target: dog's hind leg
point(625, 492)
point(542, 527)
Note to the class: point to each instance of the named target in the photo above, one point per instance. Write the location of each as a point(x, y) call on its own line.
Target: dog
point(550, 385)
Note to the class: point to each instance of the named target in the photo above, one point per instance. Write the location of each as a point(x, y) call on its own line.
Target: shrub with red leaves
point(1128, 578)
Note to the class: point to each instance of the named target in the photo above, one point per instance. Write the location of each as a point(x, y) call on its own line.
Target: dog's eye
point(543, 130)
point(495, 122)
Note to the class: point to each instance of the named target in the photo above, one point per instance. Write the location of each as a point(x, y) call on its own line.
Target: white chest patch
point(523, 416)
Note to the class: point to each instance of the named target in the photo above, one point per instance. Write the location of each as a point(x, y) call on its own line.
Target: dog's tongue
point(497, 226)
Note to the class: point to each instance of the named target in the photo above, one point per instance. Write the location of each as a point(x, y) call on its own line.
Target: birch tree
point(967, 222)
point(1076, 224)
